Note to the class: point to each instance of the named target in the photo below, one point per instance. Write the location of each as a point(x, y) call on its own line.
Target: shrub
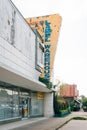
point(60, 105)
point(56, 106)
point(72, 105)
point(85, 104)
point(46, 82)
point(63, 111)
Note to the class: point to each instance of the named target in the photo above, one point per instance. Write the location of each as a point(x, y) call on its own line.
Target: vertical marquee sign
point(48, 27)
point(47, 62)
point(47, 50)
point(47, 31)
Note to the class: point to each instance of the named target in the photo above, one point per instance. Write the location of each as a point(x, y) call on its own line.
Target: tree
point(72, 105)
point(84, 104)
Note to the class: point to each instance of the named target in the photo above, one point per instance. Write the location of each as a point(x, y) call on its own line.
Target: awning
point(17, 80)
point(76, 100)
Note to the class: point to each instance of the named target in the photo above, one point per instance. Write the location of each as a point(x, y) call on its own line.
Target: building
point(69, 91)
point(22, 95)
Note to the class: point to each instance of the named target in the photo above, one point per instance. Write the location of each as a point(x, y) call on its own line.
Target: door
point(25, 107)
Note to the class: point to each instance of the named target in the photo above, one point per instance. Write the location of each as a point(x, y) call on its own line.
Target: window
point(39, 55)
point(9, 103)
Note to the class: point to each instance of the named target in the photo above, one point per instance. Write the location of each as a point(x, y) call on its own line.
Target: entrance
point(25, 107)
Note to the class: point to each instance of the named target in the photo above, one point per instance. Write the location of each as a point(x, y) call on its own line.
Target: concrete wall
point(17, 42)
point(17, 48)
point(48, 105)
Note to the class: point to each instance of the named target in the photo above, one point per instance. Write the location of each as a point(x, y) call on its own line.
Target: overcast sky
point(71, 56)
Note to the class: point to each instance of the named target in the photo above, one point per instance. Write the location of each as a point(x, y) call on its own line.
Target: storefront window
point(36, 104)
point(24, 101)
point(15, 104)
point(25, 94)
point(9, 103)
point(8, 106)
point(5, 101)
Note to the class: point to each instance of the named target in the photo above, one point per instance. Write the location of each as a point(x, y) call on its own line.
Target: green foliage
point(56, 106)
point(82, 96)
point(85, 102)
point(72, 105)
point(46, 82)
point(79, 118)
point(63, 111)
point(60, 105)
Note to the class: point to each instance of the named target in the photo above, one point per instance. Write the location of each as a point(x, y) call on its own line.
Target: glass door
point(25, 106)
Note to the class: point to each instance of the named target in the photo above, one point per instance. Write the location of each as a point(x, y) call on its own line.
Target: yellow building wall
point(48, 27)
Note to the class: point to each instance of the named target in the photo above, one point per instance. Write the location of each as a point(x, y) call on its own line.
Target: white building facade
point(21, 62)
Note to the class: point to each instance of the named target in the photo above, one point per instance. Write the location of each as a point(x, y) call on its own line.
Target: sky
point(70, 64)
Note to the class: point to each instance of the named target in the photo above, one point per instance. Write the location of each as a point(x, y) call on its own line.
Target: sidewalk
point(75, 125)
point(41, 123)
point(21, 123)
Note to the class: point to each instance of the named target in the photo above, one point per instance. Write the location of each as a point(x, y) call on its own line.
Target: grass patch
point(79, 118)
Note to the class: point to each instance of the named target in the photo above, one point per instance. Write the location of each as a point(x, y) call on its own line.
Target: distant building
point(69, 91)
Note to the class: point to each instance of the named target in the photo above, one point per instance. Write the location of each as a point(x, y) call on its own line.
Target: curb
point(73, 118)
point(63, 124)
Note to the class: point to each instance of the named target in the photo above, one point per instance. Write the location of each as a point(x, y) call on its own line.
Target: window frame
point(39, 55)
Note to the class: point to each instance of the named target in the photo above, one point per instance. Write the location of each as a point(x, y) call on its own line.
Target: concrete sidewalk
point(75, 125)
point(21, 123)
point(41, 123)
